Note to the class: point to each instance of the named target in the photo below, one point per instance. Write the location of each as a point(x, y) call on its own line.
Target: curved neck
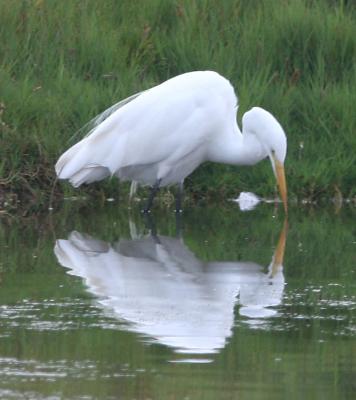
point(236, 148)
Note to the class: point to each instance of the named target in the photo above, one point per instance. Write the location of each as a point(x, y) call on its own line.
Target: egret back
point(164, 133)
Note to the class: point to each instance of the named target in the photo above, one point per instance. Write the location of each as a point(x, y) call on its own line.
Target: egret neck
point(236, 148)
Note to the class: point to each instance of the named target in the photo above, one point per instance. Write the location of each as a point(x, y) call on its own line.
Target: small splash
point(247, 201)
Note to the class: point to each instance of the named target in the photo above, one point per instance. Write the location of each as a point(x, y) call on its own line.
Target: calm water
point(99, 304)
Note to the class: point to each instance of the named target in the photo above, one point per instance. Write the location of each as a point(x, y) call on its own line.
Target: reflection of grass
point(318, 245)
point(63, 62)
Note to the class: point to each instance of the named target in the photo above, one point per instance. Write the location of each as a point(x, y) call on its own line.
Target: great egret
point(159, 136)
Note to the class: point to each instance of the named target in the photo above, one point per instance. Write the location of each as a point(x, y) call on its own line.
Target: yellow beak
point(281, 181)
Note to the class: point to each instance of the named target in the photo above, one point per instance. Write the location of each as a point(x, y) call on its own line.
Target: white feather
point(146, 133)
point(162, 290)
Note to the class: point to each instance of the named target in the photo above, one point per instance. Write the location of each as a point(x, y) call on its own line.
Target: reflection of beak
point(277, 261)
point(281, 181)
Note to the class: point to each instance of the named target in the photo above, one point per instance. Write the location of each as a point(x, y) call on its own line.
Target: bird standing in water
point(159, 136)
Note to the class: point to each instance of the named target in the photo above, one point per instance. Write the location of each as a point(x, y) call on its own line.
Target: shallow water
point(99, 304)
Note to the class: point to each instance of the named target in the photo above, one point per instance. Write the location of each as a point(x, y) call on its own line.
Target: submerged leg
point(154, 190)
point(179, 197)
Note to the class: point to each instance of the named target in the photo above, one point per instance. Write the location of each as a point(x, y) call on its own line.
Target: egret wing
point(155, 129)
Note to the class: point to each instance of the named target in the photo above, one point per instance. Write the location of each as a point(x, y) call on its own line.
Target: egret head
point(273, 140)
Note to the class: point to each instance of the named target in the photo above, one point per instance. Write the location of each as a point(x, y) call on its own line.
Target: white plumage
point(161, 135)
point(163, 291)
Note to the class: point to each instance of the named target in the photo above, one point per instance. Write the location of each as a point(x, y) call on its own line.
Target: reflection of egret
point(158, 137)
point(158, 285)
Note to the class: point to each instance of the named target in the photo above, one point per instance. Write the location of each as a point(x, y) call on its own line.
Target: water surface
point(96, 303)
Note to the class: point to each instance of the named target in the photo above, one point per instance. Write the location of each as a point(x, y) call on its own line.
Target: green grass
point(63, 62)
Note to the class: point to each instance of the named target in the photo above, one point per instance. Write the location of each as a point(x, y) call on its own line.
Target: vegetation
point(63, 62)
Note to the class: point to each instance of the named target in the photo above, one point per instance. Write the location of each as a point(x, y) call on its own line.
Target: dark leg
point(179, 197)
point(154, 190)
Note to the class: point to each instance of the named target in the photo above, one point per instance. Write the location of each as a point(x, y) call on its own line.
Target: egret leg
point(154, 190)
point(179, 197)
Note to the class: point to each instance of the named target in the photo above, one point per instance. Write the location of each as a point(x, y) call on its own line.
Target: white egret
point(159, 136)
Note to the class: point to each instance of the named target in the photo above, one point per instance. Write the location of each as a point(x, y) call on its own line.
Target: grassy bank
point(62, 62)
